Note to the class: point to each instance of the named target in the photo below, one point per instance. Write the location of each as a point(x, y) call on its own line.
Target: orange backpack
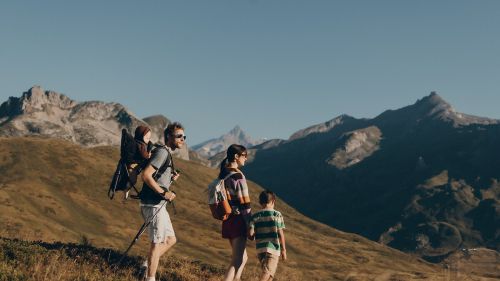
point(218, 199)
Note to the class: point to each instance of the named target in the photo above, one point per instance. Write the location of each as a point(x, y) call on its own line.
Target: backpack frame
point(121, 178)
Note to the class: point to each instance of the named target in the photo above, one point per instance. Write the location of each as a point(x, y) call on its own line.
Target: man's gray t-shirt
point(160, 156)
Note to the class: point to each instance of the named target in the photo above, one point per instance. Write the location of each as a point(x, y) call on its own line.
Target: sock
point(145, 263)
point(150, 279)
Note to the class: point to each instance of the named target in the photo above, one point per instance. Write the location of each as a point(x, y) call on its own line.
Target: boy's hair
point(266, 197)
point(170, 129)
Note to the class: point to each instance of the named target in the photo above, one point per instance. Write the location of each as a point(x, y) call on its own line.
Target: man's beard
point(178, 145)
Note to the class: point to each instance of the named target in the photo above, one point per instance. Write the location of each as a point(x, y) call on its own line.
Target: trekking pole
point(141, 231)
point(173, 203)
point(173, 207)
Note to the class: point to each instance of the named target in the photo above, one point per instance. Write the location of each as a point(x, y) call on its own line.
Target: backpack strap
point(230, 174)
point(164, 166)
point(224, 181)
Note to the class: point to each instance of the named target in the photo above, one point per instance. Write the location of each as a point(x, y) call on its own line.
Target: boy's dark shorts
point(268, 263)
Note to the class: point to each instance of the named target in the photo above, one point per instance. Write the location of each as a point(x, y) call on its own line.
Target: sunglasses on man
point(180, 136)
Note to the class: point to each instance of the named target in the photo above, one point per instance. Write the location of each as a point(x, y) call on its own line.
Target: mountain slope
point(54, 190)
point(422, 178)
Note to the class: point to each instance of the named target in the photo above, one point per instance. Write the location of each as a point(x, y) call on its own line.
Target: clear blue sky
point(273, 67)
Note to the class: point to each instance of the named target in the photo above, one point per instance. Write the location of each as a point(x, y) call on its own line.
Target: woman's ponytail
point(223, 165)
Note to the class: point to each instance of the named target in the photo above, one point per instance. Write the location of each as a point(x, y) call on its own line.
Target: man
point(158, 176)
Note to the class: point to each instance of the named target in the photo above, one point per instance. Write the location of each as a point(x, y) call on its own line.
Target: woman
point(235, 227)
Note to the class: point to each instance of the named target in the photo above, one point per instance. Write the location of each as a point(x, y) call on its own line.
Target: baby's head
point(267, 199)
point(143, 133)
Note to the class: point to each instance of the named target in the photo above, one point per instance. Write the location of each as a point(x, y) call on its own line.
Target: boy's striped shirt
point(266, 224)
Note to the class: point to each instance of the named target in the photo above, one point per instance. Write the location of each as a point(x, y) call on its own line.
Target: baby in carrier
point(139, 153)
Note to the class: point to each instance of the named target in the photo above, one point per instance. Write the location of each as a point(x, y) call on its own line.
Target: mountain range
point(423, 179)
point(93, 123)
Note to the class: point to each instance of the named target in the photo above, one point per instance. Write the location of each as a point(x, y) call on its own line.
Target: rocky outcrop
point(92, 123)
point(157, 123)
point(356, 146)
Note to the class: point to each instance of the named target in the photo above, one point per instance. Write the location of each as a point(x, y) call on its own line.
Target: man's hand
point(169, 195)
point(175, 175)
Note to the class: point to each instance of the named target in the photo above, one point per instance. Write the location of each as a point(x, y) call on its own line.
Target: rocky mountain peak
point(236, 135)
point(236, 131)
point(36, 99)
point(435, 105)
point(432, 107)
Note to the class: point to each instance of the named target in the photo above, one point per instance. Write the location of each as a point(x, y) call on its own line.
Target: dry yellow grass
point(21, 260)
point(53, 190)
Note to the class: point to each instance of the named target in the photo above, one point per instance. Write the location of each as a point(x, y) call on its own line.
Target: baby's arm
point(282, 243)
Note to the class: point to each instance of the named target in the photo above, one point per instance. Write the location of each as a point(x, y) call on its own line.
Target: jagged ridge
point(90, 123)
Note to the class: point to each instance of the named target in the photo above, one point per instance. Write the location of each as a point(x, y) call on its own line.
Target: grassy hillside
point(53, 190)
point(21, 260)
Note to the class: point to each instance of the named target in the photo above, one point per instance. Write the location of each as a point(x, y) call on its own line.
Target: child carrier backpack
point(121, 178)
point(218, 199)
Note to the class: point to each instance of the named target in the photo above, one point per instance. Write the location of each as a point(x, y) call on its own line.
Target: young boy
point(266, 226)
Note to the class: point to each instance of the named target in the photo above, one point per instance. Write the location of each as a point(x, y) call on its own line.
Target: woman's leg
point(238, 259)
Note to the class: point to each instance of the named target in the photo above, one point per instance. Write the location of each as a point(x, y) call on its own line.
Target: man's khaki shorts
point(269, 263)
point(161, 226)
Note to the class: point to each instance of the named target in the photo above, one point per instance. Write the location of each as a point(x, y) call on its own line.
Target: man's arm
point(147, 177)
point(282, 243)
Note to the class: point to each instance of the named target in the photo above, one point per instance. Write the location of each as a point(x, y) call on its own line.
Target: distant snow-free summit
point(236, 136)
